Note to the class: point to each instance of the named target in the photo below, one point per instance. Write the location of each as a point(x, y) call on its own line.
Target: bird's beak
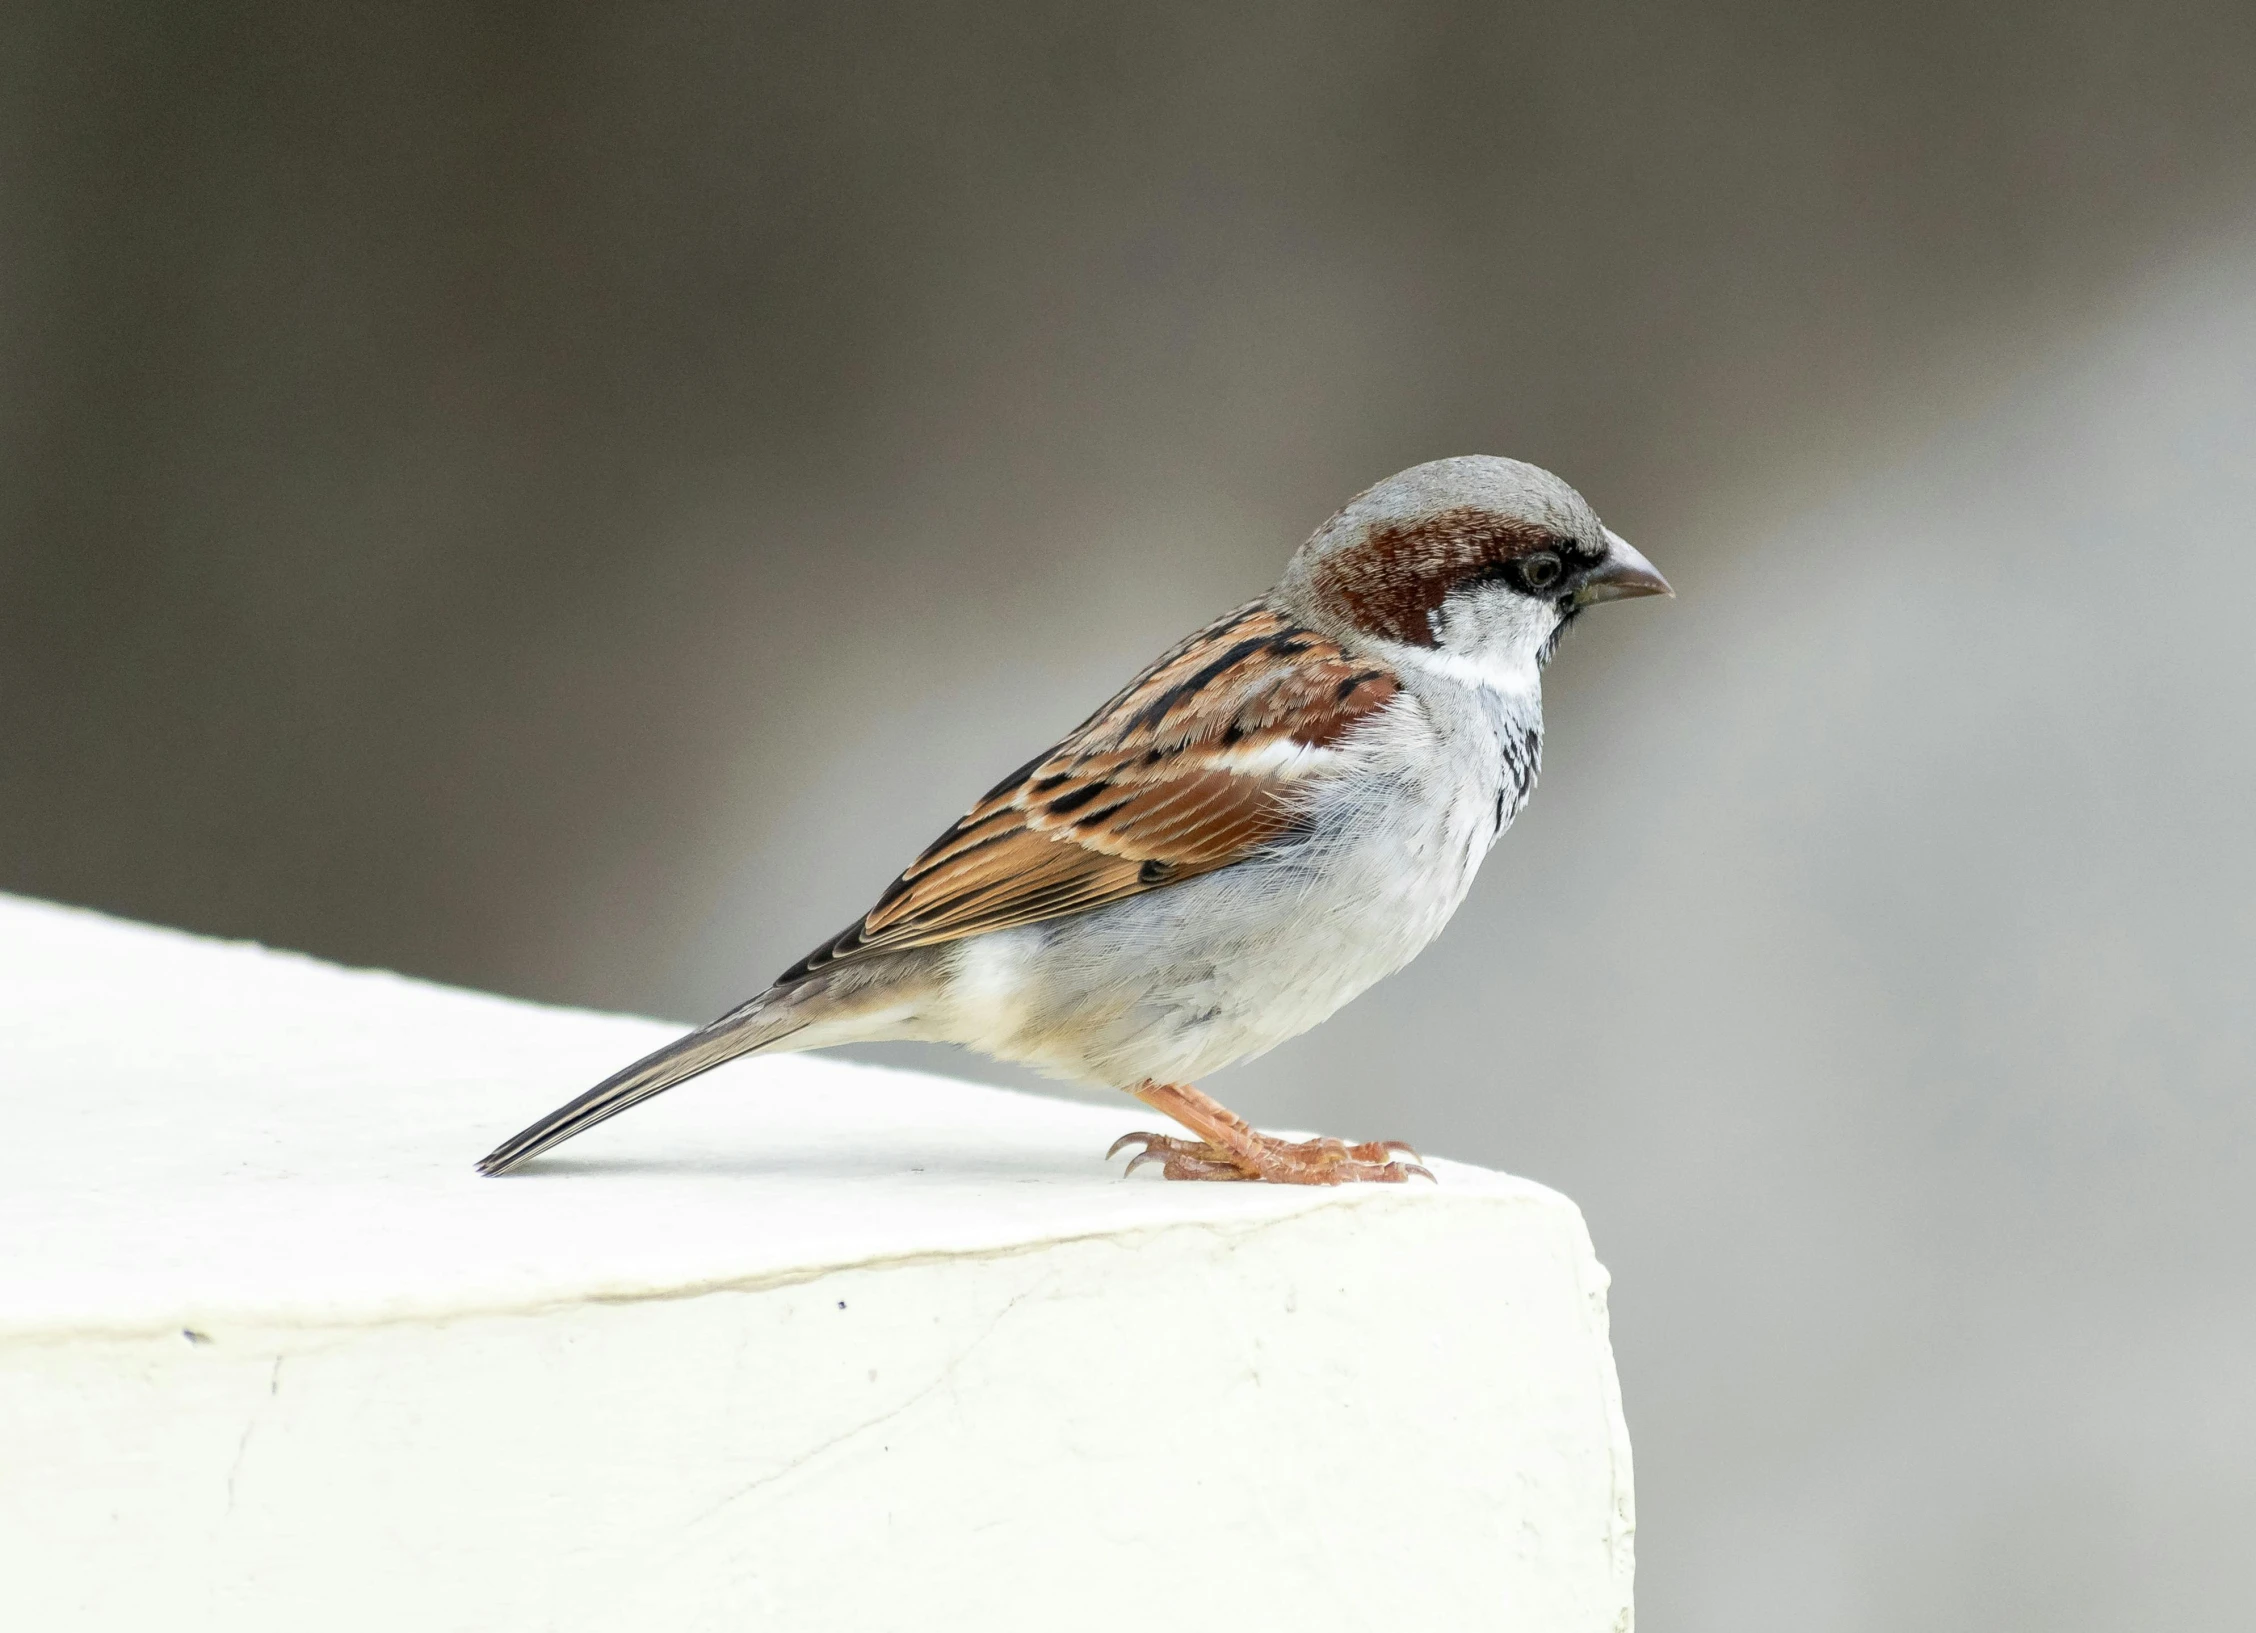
point(1622, 574)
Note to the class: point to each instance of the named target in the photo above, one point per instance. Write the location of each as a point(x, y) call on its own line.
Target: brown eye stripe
point(1392, 580)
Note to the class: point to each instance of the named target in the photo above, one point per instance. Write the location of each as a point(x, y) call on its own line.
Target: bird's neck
point(1512, 672)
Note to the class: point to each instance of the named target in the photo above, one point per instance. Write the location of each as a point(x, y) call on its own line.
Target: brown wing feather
point(1190, 768)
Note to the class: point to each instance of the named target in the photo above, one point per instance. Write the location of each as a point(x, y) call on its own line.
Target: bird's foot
point(1264, 1157)
point(1228, 1147)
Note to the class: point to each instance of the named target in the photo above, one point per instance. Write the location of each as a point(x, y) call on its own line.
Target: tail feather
point(756, 1026)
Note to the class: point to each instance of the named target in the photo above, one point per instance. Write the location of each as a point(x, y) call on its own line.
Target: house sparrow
point(1286, 807)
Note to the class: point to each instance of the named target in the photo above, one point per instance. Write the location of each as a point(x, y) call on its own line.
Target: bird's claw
point(1126, 1140)
point(1139, 1159)
point(1288, 1162)
point(1179, 1158)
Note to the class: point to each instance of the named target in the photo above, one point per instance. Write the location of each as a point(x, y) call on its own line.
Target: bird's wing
point(1192, 767)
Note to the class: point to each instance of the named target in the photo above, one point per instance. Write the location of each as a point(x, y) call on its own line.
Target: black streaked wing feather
point(1190, 768)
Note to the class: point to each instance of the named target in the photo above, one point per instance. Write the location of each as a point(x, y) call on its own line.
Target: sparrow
point(1280, 811)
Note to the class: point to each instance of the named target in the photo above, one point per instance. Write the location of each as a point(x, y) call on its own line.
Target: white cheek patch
point(1490, 638)
point(1514, 669)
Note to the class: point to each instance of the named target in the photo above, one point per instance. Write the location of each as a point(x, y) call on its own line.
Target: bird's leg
point(1229, 1148)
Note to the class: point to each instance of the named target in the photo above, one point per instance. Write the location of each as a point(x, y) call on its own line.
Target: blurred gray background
point(568, 498)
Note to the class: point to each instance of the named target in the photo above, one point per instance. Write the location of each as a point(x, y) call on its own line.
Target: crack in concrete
point(945, 1376)
point(797, 1276)
point(250, 1427)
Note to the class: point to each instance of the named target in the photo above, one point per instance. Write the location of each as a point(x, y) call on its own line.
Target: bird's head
point(1476, 563)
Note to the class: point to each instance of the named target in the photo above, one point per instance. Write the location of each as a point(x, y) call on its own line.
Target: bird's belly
point(1181, 982)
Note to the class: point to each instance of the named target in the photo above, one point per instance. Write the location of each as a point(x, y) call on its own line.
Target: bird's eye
point(1540, 571)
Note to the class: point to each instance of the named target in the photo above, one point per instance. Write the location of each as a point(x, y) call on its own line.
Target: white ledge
point(803, 1344)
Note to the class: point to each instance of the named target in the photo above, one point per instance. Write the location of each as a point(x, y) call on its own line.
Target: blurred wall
point(567, 499)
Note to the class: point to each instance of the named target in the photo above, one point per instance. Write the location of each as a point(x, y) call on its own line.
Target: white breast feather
point(1176, 983)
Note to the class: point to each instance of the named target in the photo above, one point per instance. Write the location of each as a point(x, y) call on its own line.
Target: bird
point(1280, 811)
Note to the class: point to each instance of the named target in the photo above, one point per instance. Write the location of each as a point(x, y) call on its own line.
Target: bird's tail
point(763, 1023)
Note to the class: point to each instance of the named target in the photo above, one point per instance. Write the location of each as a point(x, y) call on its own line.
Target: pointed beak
point(1622, 574)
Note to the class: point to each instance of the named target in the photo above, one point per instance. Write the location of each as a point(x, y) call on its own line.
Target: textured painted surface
point(813, 1345)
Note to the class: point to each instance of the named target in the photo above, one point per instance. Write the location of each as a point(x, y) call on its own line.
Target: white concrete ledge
point(803, 1345)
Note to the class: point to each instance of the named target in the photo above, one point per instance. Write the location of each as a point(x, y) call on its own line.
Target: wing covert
point(1191, 767)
